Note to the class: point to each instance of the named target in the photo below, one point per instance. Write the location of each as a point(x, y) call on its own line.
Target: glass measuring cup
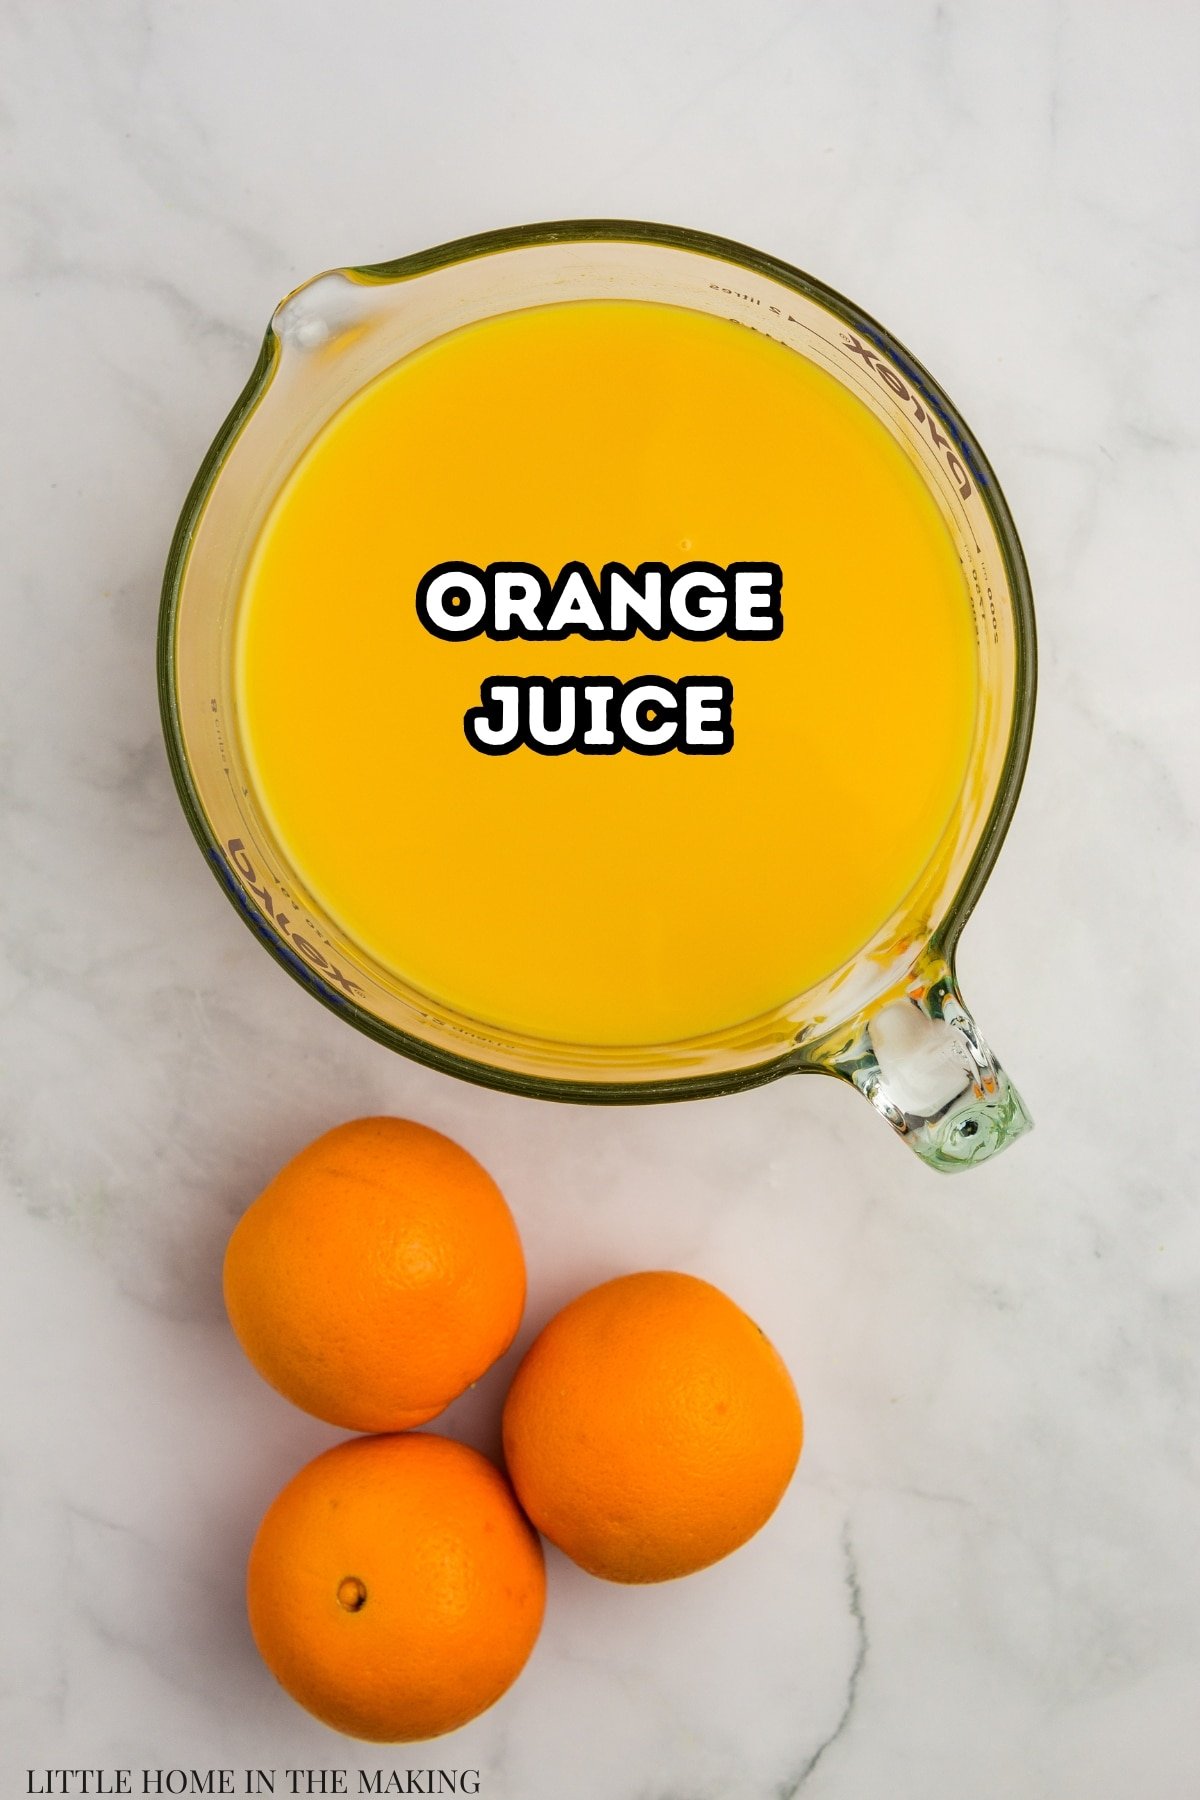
point(890, 1020)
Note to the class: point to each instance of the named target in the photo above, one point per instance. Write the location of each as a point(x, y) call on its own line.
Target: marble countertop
point(985, 1580)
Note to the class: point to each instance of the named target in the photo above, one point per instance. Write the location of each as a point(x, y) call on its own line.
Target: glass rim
point(944, 938)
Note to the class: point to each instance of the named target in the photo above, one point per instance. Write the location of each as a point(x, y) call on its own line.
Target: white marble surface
point(985, 1580)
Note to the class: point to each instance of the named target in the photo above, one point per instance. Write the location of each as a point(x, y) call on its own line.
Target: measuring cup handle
point(920, 1059)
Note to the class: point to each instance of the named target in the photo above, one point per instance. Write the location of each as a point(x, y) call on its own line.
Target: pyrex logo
point(937, 438)
point(314, 959)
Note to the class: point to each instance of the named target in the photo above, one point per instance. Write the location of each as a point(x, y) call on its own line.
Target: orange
point(651, 1428)
point(377, 1276)
point(395, 1588)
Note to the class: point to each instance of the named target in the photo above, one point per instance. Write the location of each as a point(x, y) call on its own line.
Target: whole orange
point(377, 1276)
point(651, 1428)
point(395, 1588)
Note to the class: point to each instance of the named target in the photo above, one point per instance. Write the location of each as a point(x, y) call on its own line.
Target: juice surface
point(621, 899)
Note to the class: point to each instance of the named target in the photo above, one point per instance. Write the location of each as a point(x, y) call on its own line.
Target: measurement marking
point(930, 461)
point(847, 372)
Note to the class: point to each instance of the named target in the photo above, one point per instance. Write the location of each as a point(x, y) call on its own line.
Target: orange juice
point(619, 898)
